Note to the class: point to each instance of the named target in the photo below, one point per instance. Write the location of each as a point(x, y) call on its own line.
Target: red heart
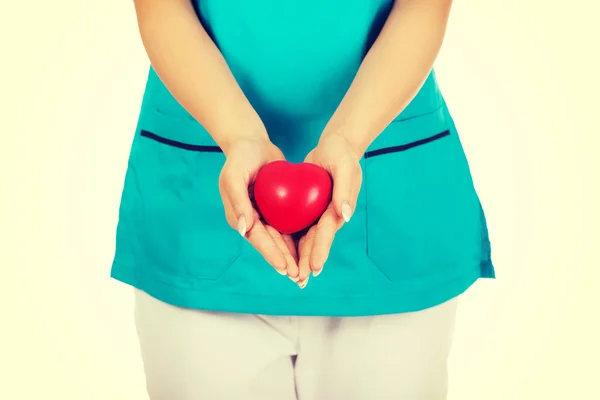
point(292, 197)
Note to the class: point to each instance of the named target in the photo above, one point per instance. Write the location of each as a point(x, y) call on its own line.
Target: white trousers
point(200, 355)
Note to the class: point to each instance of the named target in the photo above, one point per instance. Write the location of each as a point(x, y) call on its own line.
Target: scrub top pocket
point(423, 214)
point(177, 165)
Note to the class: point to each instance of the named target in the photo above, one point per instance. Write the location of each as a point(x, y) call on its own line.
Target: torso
point(418, 236)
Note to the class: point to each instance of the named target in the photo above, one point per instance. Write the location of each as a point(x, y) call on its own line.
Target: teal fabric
point(418, 236)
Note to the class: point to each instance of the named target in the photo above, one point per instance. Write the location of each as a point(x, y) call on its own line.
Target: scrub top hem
point(304, 304)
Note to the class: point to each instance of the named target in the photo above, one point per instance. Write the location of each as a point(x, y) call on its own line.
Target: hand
point(341, 160)
point(244, 158)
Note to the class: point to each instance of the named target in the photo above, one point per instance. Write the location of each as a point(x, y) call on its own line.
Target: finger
point(344, 176)
point(236, 223)
point(355, 192)
point(293, 270)
point(282, 247)
point(229, 214)
point(356, 189)
point(236, 191)
point(265, 245)
point(305, 247)
point(291, 246)
point(325, 231)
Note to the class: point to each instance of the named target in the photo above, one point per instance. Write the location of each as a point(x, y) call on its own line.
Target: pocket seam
point(407, 146)
point(401, 118)
point(183, 273)
point(180, 145)
point(174, 129)
point(166, 114)
point(391, 150)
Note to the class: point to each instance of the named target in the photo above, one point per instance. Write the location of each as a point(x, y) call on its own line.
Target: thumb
point(343, 183)
point(242, 208)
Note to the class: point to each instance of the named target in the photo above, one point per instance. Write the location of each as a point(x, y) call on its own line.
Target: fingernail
point(317, 272)
point(281, 271)
point(293, 279)
point(316, 266)
point(241, 227)
point(346, 211)
point(303, 283)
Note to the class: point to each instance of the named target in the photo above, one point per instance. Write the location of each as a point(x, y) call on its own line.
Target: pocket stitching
point(180, 145)
point(383, 151)
point(407, 146)
point(183, 274)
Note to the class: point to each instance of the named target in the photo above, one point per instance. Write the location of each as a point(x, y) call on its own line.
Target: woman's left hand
point(336, 154)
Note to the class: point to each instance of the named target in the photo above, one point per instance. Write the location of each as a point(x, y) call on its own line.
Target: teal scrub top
point(418, 236)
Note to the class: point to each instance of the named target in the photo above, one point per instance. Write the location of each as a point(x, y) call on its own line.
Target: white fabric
point(193, 355)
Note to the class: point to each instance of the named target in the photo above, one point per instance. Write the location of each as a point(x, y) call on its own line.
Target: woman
point(346, 85)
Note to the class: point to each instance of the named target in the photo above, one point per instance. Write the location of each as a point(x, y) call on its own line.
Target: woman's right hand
point(244, 158)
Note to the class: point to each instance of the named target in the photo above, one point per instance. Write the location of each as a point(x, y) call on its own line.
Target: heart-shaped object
point(292, 197)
